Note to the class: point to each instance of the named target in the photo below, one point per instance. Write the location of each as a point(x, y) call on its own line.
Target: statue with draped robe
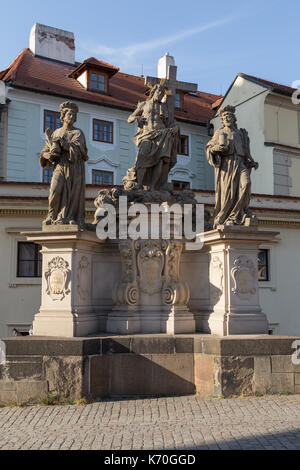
point(65, 149)
point(229, 153)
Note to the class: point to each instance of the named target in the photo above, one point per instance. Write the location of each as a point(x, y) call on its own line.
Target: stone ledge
point(235, 345)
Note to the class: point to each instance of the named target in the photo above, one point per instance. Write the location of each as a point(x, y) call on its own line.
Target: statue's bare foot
point(72, 222)
point(48, 221)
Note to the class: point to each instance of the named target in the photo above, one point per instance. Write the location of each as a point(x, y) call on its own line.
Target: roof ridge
point(272, 83)
point(11, 70)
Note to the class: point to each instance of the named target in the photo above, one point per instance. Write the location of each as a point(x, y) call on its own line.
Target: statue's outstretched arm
point(136, 113)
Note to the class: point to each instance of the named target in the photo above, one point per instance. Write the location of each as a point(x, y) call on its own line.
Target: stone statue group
point(157, 140)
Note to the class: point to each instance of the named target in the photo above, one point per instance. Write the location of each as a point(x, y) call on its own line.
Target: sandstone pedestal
point(70, 305)
point(150, 296)
point(234, 306)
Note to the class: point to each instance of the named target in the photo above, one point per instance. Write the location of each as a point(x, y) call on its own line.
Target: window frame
point(55, 113)
point(188, 145)
point(272, 282)
point(44, 169)
point(112, 131)
point(35, 260)
point(181, 182)
point(89, 81)
point(95, 170)
point(14, 281)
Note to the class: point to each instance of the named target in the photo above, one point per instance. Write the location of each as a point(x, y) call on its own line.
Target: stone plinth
point(143, 365)
point(150, 297)
point(233, 303)
point(75, 301)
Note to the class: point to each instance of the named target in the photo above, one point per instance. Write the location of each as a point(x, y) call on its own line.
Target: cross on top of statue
point(167, 71)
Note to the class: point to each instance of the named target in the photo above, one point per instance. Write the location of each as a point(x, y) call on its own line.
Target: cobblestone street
point(191, 422)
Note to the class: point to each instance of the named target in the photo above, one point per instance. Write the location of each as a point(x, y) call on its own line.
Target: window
point(183, 145)
point(47, 174)
point(103, 131)
point(51, 120)
point(179, 100)
point(263, 265)
point(19, 329)
point(97, 81)
point(29, 263)
point(181, 184)
point(102, 177)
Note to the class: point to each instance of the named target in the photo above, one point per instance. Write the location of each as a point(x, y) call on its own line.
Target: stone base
point(144, 365)
point(157, 320)
point(68, 324)
point(233, 324)
point(233, 306)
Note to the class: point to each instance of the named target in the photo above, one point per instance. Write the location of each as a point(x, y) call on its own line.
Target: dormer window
point(94, 75)
point(97, 81)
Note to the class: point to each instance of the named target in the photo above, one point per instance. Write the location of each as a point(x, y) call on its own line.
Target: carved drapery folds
point(150, 268)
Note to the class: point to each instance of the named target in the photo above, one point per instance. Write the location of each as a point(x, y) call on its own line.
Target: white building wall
point(249, 98)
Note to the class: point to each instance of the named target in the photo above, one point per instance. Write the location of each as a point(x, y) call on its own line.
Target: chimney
point(52, 43)
point(163, 65)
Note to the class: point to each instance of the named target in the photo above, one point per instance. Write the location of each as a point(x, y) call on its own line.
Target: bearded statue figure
point(229, 153)
point(157, 142)
point(65, 149)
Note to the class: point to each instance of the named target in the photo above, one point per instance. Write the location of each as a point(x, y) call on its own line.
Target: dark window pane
point(47, 174)
point(107, 132)
point(49, 121)
point(107, 178)
point(177, 101)
point(181, 184)
point(184, 145)
point(52, 120)
point(58, 121)
point(101, 82)
point(26, 269)
point(97, 177)
point(102, 177)
point(94, 81)
point(103, 131)
point(97, 130)
point(263, 265)
point(29, 260)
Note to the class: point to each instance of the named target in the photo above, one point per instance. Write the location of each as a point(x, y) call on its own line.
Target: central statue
point(157, 142)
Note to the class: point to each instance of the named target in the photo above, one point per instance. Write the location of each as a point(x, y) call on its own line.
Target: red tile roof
point(94, 63)
point(274, 87)
point(44, 75)
point(278, 88)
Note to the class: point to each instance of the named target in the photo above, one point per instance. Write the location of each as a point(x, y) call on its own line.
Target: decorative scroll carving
point(150, 267)
point(57, 278)
point(150, 261)
point(126, 291)
point(244, 275)
point(174, 291)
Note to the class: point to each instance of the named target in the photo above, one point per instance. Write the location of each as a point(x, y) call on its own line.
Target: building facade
point(40, 78)
point(272, 118)
point(45, 74)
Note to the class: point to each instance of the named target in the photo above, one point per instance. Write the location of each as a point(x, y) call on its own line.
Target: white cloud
point(127, 54)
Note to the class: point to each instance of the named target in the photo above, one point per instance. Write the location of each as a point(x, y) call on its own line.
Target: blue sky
point(211, 41)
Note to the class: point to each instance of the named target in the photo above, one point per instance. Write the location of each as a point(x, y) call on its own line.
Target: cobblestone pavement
point(188, 423)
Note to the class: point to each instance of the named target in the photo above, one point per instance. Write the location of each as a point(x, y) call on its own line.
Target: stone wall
point(144, 365)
